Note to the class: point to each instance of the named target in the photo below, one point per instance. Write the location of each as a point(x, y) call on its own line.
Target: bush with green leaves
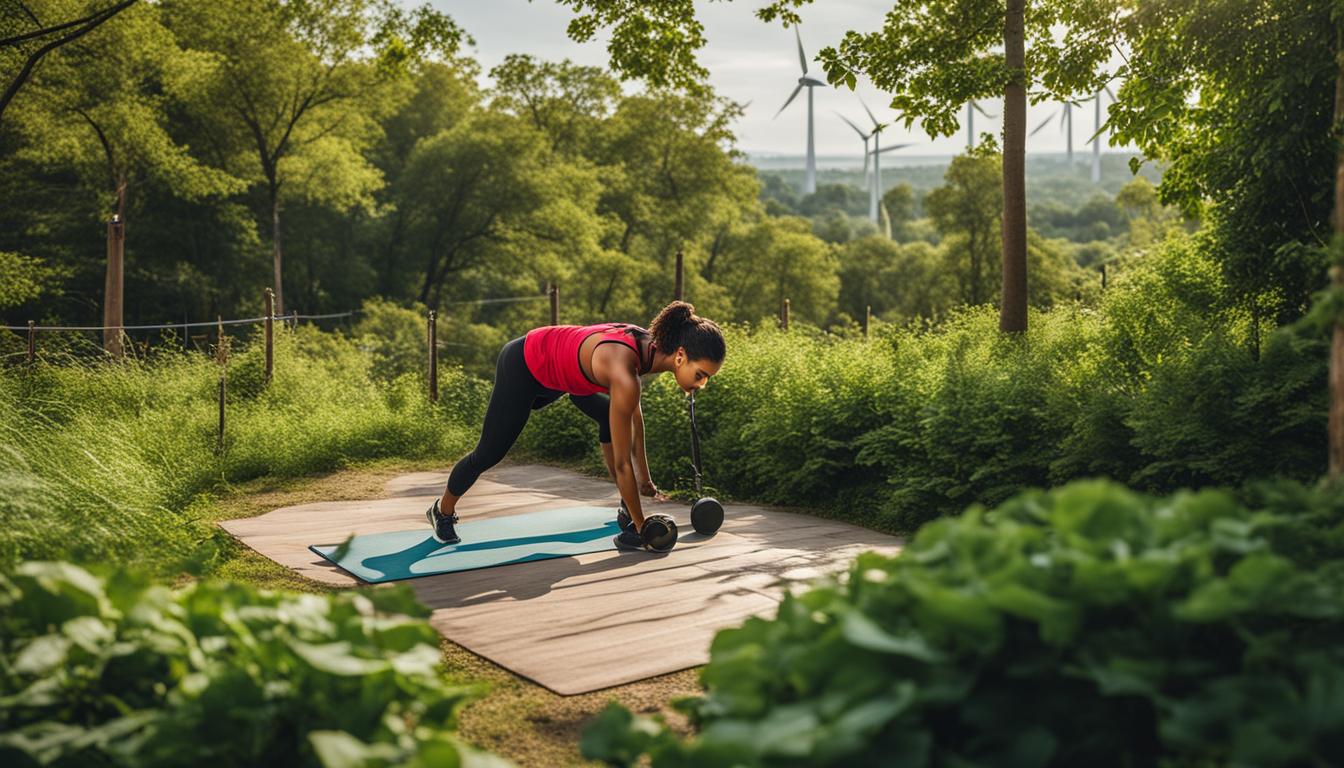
point(118, 671)
point(1089, 625)
point(1161, 386)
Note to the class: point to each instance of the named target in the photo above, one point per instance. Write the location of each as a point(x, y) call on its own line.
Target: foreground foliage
point(117, 671)
point(1084, 626)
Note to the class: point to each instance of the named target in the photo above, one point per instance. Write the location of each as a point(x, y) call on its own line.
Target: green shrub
point(1089, 625)
point(1159, 387)
point(116, 671)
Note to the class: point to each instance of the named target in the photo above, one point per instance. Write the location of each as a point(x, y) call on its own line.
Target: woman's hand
point(647, 488)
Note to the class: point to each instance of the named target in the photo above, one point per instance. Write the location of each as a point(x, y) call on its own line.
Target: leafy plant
point(1089, 625)
point(117, 671)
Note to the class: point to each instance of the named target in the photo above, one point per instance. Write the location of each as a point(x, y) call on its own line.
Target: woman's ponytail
point(677, 325)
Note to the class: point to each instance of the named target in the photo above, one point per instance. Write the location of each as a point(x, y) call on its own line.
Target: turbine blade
point(1109, 92)
point(895, 147)
point(802, 59)
point(869, 111)
point(792, 96)
point(856, 128)
point(1044, 123)
point(978, 108)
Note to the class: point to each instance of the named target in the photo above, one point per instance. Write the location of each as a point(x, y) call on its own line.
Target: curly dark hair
point(677, 325)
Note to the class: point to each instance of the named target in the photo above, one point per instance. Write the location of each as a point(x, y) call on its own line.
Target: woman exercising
point(599, 367)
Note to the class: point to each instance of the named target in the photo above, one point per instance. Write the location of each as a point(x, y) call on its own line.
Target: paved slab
point(578, 624)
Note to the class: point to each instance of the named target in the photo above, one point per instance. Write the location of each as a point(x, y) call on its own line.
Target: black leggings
point(516, 394)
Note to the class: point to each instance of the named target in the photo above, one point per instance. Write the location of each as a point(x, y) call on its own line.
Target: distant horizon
point(784, 161)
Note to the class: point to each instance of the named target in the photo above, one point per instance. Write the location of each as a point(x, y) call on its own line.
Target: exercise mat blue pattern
point(378, 557)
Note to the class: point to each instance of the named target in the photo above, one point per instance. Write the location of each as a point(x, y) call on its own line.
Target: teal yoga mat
point(378, 557)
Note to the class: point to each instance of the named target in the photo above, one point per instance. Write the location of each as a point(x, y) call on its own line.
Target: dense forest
point(354, 155)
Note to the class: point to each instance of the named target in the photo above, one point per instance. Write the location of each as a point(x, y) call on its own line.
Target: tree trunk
point(1336, 421)
point(275, 248)
point(1013, 312)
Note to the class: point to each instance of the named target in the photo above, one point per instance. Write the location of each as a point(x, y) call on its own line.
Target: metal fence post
point(32, 342)
point(784, 316)
point(867, 320)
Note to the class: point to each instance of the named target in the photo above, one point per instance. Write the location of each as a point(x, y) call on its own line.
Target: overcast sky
point(751, 61)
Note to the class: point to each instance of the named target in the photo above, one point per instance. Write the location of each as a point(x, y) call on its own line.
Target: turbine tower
point(810, 179)
point(1065, 124)
point(1096, 137)
point(875, 191)
point(867, 177)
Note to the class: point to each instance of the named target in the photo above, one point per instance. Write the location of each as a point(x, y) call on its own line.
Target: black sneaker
point(442, 525)
point(629, 539)
point(623, 519)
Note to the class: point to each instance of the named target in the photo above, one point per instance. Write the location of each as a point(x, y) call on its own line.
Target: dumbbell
point(660, 531)
point(706, 511)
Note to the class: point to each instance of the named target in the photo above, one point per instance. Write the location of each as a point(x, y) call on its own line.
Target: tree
point(488, 194)
point(968, 210)
point(935, 57)
point(774, 259)
point(31, 30)
point(1244, 99)
point(302, 84)
point(445, 94)
point(899, 202)
point(564, 101)
point(1236, 97)
point(101, 109)
point(671, 183)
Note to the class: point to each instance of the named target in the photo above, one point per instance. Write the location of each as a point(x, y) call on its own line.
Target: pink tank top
point(552, 354)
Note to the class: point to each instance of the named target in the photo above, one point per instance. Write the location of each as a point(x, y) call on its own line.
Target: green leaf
point(865, 633)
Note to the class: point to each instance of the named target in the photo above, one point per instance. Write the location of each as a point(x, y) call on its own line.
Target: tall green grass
point(110, 462)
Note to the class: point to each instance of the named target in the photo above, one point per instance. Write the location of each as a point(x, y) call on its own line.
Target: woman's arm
point(624, 404)
point(641, 459)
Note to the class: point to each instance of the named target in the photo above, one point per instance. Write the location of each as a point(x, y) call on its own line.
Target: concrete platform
point(579, 624)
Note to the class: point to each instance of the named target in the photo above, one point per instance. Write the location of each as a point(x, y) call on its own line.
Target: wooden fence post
point(433, 357)
point(555, 303)
point(270, 340)
point(867, 320)
point(294, 319)
point(784, 316)
point(112, 303)
point(222, 357)
point(32, 343)
point(1103, 277)
point(676, 294)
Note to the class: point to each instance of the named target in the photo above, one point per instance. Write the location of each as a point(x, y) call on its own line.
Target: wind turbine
point(1065, 123)
point(867, 177)
point(810, 180)
point(875, 192)
point(1096, 137)
point(971, 108)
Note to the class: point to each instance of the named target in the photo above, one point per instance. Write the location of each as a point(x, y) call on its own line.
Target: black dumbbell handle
point(695, 443)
